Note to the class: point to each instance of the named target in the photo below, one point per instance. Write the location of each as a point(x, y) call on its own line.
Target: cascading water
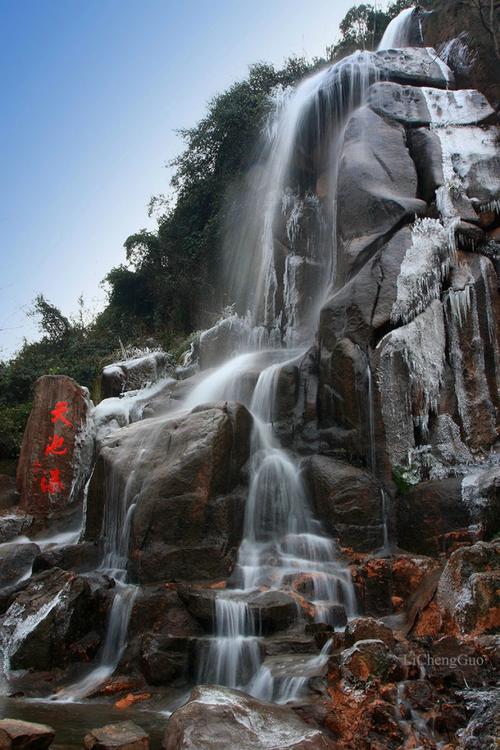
point(282, 541)
point(399, 31)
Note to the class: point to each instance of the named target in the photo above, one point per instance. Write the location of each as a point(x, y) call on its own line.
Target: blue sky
point(92, 91)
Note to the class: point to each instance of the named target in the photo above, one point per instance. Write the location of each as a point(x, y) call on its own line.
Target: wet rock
point(47, 618)
point(415, 65)
point(125, 735)
point(456, 662)
point(472, 309)
point(134, 373)
point(189, 511)
point(224, 340)
point(14, 525)
point(466, 157)
point(468, 590)
point(217, 718)
point(57, 447)
point(9, 496)
point(483, 728)
point(427, 513)
point(82, 557)
point(347, 500)
point(164, 658)
point(377, 187)
point(364, 305)
point(387, 585)
point(369, 659)
point(24, 735)
point(409, 368)
point(421, 106)
point(16, 561)
point(160, 610)
point(271, 610)
point(481, 495)
point(367, 628)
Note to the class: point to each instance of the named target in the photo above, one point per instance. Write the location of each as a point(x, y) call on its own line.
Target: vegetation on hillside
point(168, 280)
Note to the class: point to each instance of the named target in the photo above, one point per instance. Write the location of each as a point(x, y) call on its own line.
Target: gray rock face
point(217, 718)
point(222, 341)
point(188, 514)
point(347, 500)
point(415, 106)
point(416, 65)
point(377, 187)
point(13, 525)
point(9, 495)
point(364, 304)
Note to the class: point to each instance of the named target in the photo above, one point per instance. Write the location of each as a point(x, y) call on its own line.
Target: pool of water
point(71, 721)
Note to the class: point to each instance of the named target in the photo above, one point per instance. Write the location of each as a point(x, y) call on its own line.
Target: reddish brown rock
point(365, 628)
point(24, 735)
point(469, 589)
point(49, 475)
point(124, 735)
point(370, 659)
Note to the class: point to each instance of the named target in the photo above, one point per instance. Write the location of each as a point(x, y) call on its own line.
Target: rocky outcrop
point(24, 735)
point(468, 589)
point(45, 622)
point(57, 448)
point(377, 188)
point(430, 514)
point(217, 718)
point(348, 502)
point(414, 106)
point(188, 510)
point(134, 373)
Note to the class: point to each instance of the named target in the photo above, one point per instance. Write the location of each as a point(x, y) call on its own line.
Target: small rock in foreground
point(125, 735)
point(24, 735)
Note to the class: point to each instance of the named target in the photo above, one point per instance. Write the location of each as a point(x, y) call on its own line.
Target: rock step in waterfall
point(325, 476)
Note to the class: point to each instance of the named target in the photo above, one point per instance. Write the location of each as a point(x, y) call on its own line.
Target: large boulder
point(347, 501)
point(377, 187)
point(481, 495)
point(24, 735)
point(216, 718)
point(414, 106)
point(468, 590)
point(56, 452)
point(46, 620)
point(182, 474)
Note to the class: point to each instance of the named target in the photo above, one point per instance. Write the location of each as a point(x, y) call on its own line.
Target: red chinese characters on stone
point(50, 482)
point(49, 479)
point(55, 446)
point(58, 413)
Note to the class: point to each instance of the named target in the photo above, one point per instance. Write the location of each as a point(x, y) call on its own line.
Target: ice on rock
point(410, 373)
point(425, 265)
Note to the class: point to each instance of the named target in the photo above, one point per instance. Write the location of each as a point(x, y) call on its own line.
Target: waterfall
point(398, 32)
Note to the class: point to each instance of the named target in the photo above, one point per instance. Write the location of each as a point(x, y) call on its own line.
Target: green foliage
point(404, 478)
point(363, 26)
point(12, 423)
